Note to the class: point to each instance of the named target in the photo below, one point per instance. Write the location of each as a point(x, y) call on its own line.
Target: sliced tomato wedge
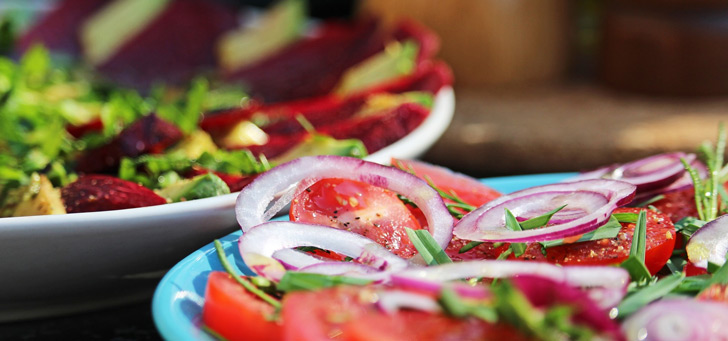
point(371, 211)
point(347, 313)
point(660, 244)
point(235, 313)
point(466, 188)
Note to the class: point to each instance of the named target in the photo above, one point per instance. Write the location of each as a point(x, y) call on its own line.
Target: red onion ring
point(390, 301)
point(589, 205)
point(251, 208)
point(649, 173)
point(709, 243)
point(678, 319)
point(266, 248)
point(604, 284)
point(685, 181)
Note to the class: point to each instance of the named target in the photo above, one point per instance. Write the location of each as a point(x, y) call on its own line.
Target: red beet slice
point(175, 46)
point(379, 131)
point(149, 134)
point(312, 67)
point(234, 182)
point(428, 41)
point(93, 193)
point(58, 29)
point(78, 131)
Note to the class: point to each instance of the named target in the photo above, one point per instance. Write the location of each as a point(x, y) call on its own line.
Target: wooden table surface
point(567, 127)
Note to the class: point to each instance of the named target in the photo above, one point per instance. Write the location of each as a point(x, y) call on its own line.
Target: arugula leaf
point(541, 220)
point(428, 248)
point(553, 324)
point(469, 246)
point(455, 306)
point(513, 225)
point(246, 284)
point(626, 217)
point(651, 200)
point(688, 225)
point(635, 264)
point(609, 230)
point(720, 275)
point(647, 294)
point(532, 223)
point(302, 281)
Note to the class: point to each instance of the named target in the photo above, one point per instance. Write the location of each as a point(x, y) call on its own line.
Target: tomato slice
point(371, 211)
point(348, 313)
point(235, 313)
point(660, 243)
point(466, 188)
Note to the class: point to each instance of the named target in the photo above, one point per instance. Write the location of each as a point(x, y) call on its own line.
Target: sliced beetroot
point(428, 41)
point(234, 182)
point(93, 193)
point(58, 29)
point(379, 131)
point(148, 135)
point(222, 120)
point(94, 125)
point(328, 110)
point(312, 66)
point(175, 46)
point(429, 77)
point(277, 145)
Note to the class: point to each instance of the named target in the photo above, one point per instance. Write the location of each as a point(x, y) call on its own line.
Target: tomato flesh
point(466, 188)
point(349, 313)
point(235, 313)
point(660, 243)
point(370, 211)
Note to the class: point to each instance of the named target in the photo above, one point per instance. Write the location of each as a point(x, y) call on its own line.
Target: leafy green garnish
point(532, 223)
point(541, 220)
point(513, 225)
point(609, 230)
point(153, 170)
point(455, 306)
point(649, 293)
point(428, 248)
point(297, 281)
point(649, 201)
point(720, 275)
point(553, 324)
point(246, 284)
point(688, 225)
point(635, 263)
point(707, 192)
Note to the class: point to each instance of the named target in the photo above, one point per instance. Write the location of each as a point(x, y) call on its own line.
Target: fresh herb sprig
point(708, 192)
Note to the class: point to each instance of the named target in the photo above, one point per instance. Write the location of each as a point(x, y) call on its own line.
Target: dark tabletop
point(131, 322)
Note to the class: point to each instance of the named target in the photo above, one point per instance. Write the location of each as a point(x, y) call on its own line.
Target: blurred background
point(559, 85)
point(551, 85)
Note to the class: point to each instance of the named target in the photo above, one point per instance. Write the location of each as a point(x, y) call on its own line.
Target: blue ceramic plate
point(177, 303)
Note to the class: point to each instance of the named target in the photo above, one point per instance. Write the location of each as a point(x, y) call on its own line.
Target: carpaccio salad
point(634, 251)
point(70, 141)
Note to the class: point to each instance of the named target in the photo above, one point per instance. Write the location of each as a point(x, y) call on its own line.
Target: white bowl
point(60, 264)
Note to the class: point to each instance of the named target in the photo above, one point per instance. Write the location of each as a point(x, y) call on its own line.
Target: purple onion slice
point(685, 181)
point(604, 284)
point(589, 203)
point(650, 173)
point(678, 319)
point(709, 243)
point(266, 249)
point(391, 301)
point(290, 178)
point(653, 172)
